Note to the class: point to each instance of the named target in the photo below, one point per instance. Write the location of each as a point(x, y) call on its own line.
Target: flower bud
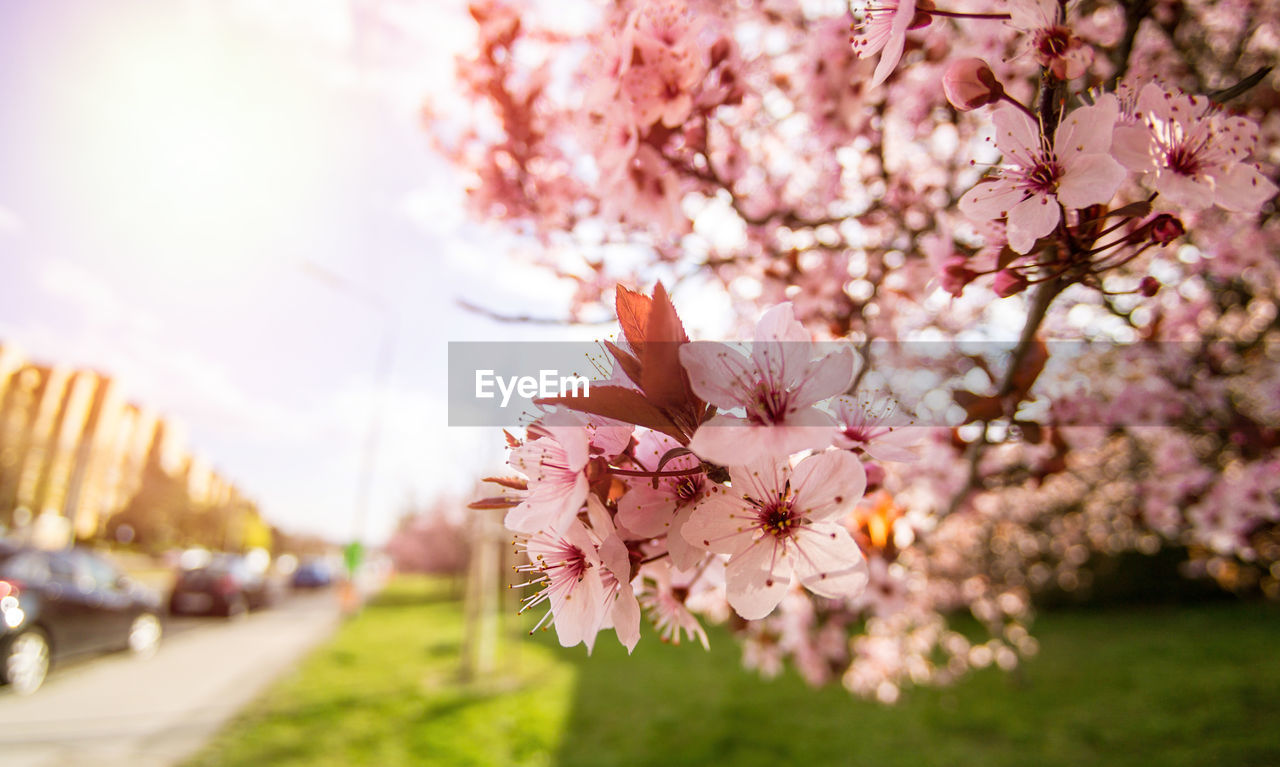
point(956, 274)
point(1009, 283)
point(875, 475)
point(970, 83)
point(1166, 228)
point(1149, 285)
point(720, 51)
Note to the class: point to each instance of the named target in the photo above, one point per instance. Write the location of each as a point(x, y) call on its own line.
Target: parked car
point(59, 604)
point(313, 574)
point(227, 585)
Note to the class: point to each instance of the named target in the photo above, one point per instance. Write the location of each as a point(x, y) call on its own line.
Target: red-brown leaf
point(497, 502)
point(622, 404)
point(662, 377)
point(633, 315)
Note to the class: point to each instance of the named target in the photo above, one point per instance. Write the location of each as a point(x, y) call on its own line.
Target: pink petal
point(779, 324)
point(1185, 191)
point(579, 613)
point(825, 378)
point(625, 615)
point(892, 52)
point(827, 484)
point(1087, 130)
point(574, 440)
point(550, 506)
point(1089, 179)
point(782, 365)
point(896, 445)
point(609, 436)
point(1242, 188)
point(646, 511)
point(1030, 220)
point(757, 579)
point(990, 200)
point(719, 523)
point(1132, 145)
point(1017, 136)
point(759, 479)
point(717, 372)
point(731, 441)
point(1032, 14)
point(829, 563)
point(684, 555)
point(1153, 103)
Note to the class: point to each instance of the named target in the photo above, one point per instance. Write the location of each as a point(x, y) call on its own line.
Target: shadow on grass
point(1189, 685)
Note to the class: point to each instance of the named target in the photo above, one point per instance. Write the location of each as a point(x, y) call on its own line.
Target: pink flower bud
point(875, 475)
point(1149, 286)
point(956, 274)
point(969, 84)
point(1009, 283)
point(1166, 228)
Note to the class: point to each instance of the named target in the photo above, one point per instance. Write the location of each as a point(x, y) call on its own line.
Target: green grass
point(1162, 686)
point(385, 692)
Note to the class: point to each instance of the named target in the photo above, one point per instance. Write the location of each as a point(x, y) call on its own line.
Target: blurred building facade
point(74, 455)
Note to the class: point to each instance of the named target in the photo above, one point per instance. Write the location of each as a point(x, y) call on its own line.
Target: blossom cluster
point(693, 453)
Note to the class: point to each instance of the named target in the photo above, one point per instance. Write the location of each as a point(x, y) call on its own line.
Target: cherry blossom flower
point(777, 386)
point(1078, 171)
point(1053, 43)
point(1194, 155)
point(867, 425)
point(779, 525)
point(883, 30)
point(554, 459)
point(568, 570)
point(666, 604)
point(663, 64)
point(651, 511)
point(585, 575)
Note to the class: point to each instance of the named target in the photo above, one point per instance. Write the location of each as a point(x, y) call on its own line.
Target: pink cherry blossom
point(663, 63)
point(554, 459)
point(650, 511)
point(568, 571)
point(585, 574)
point(779, 525)
point(883, 30)
point(1036, 180)
point(870, 425)
point(1193, 154)
point(777, 386)
point(1052, 43)
point(666, 604)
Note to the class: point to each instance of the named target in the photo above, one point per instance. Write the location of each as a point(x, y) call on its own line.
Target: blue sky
point(168, 172)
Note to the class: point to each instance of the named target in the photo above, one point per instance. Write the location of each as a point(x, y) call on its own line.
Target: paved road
point(117, 710)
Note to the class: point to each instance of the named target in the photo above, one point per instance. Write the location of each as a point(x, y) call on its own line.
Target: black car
point(226, 586)
point(58, 604)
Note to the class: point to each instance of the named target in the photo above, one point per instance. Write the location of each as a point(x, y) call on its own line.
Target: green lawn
point(1168, 686)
